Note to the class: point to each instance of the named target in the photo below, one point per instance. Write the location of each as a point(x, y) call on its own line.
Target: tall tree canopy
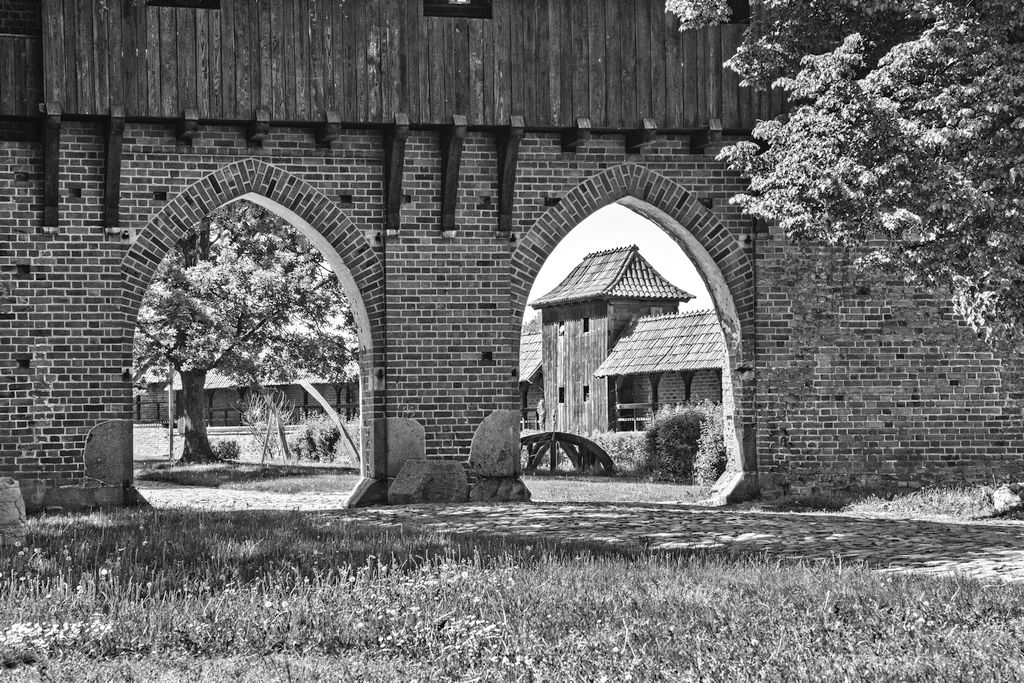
point(905, 136)
point(244, 293)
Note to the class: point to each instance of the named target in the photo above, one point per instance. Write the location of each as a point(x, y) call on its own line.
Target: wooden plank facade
point(614, 62)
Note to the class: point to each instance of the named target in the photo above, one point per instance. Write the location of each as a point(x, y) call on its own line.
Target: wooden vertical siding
point(20, 66)
point(570, 360)
point(613, 61)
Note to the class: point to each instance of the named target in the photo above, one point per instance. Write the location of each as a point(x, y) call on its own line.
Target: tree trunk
point(197, 444)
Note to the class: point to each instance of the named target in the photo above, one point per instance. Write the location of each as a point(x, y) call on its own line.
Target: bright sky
point(617, 226)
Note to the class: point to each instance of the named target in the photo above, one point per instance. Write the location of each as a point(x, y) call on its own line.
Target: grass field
point(283, 596)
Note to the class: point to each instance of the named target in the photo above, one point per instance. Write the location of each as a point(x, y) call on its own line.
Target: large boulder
point(406, 441)
point(12, 513)
point(429, 481)
point(1005, 500)
point(495, 449)
point(499, 490)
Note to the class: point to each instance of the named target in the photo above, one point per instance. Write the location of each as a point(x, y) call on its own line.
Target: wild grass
point(546, 487)
point(274, 596)
point(960, 502)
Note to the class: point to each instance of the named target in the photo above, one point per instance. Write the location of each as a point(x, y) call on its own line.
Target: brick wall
point(840, 387)
point(21, 17)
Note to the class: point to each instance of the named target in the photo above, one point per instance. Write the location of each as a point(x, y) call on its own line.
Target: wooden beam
point(710, 134)
point(51, 166)
point(394, 164)
point(258, 128)
point(576, 137)
point(187, 127)
point(112, 176)
point(453, 137)
point(508, 141)
point(328, 130)
point(655, 381)
point(636, 139)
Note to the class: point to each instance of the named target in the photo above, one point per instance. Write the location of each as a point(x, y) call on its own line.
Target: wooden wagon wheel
point(583, 453)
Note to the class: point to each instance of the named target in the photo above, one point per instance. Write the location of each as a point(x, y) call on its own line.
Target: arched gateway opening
point(719, 257)
point(326, 227)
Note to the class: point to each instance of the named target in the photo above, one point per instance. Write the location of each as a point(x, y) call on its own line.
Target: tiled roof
point(615, 273)
point(216, 380)
point(667, 343)
point(530, 355)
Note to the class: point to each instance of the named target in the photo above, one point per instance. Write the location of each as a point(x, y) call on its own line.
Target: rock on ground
point(499, 489)
point(429, 481)
point(12, 513)
point(1006, 500)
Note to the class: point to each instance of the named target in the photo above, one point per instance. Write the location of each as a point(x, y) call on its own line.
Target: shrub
point(626, 449)
point(227, 450)
point(685, 443)
point(317, 440)
point(710, 460)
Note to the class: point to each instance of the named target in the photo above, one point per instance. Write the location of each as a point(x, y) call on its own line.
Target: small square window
point(561, 394)
point(561, 329)
point(586, 393)
point(586, 325)
point(657, 310)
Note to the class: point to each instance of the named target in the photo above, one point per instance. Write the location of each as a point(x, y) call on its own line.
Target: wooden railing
point(633, 417)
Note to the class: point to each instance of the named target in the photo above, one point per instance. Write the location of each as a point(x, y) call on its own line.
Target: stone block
point(108, 452)
point(12, 513)
point(406, 441)
point(494, 451)
point(429, 481)
point(499, 490)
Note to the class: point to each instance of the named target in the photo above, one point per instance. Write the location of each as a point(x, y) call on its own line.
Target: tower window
point(561, 394)
point(561, 329)
point(586, 325)
point(586, 393)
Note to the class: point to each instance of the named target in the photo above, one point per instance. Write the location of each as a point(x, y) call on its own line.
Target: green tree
point(904, 137)
point(244, 293)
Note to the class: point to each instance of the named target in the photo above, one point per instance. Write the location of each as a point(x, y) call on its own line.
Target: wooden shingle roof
point(531, 356)
point(667, 343)
point(620, 273)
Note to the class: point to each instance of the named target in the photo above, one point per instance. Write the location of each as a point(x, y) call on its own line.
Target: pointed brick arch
point(311, 212)
point(281, 188)
point(715, 251)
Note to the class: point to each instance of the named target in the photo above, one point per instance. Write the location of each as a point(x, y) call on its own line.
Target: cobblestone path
point(163, 495)
point(985, 550)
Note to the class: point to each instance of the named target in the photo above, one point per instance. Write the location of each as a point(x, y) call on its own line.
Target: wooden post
point(51, 166)
point(655, 381)
point(453, 138)
point(112, 174)
point(394, 164)
point(508, 141)
point(688, 379)
point(170, 412)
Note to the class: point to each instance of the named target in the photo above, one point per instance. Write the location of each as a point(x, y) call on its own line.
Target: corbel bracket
point(258, 129)
point(575, 138)
point(636, 139)
point(188, 127)
point(328, 130)
point(709, 135)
